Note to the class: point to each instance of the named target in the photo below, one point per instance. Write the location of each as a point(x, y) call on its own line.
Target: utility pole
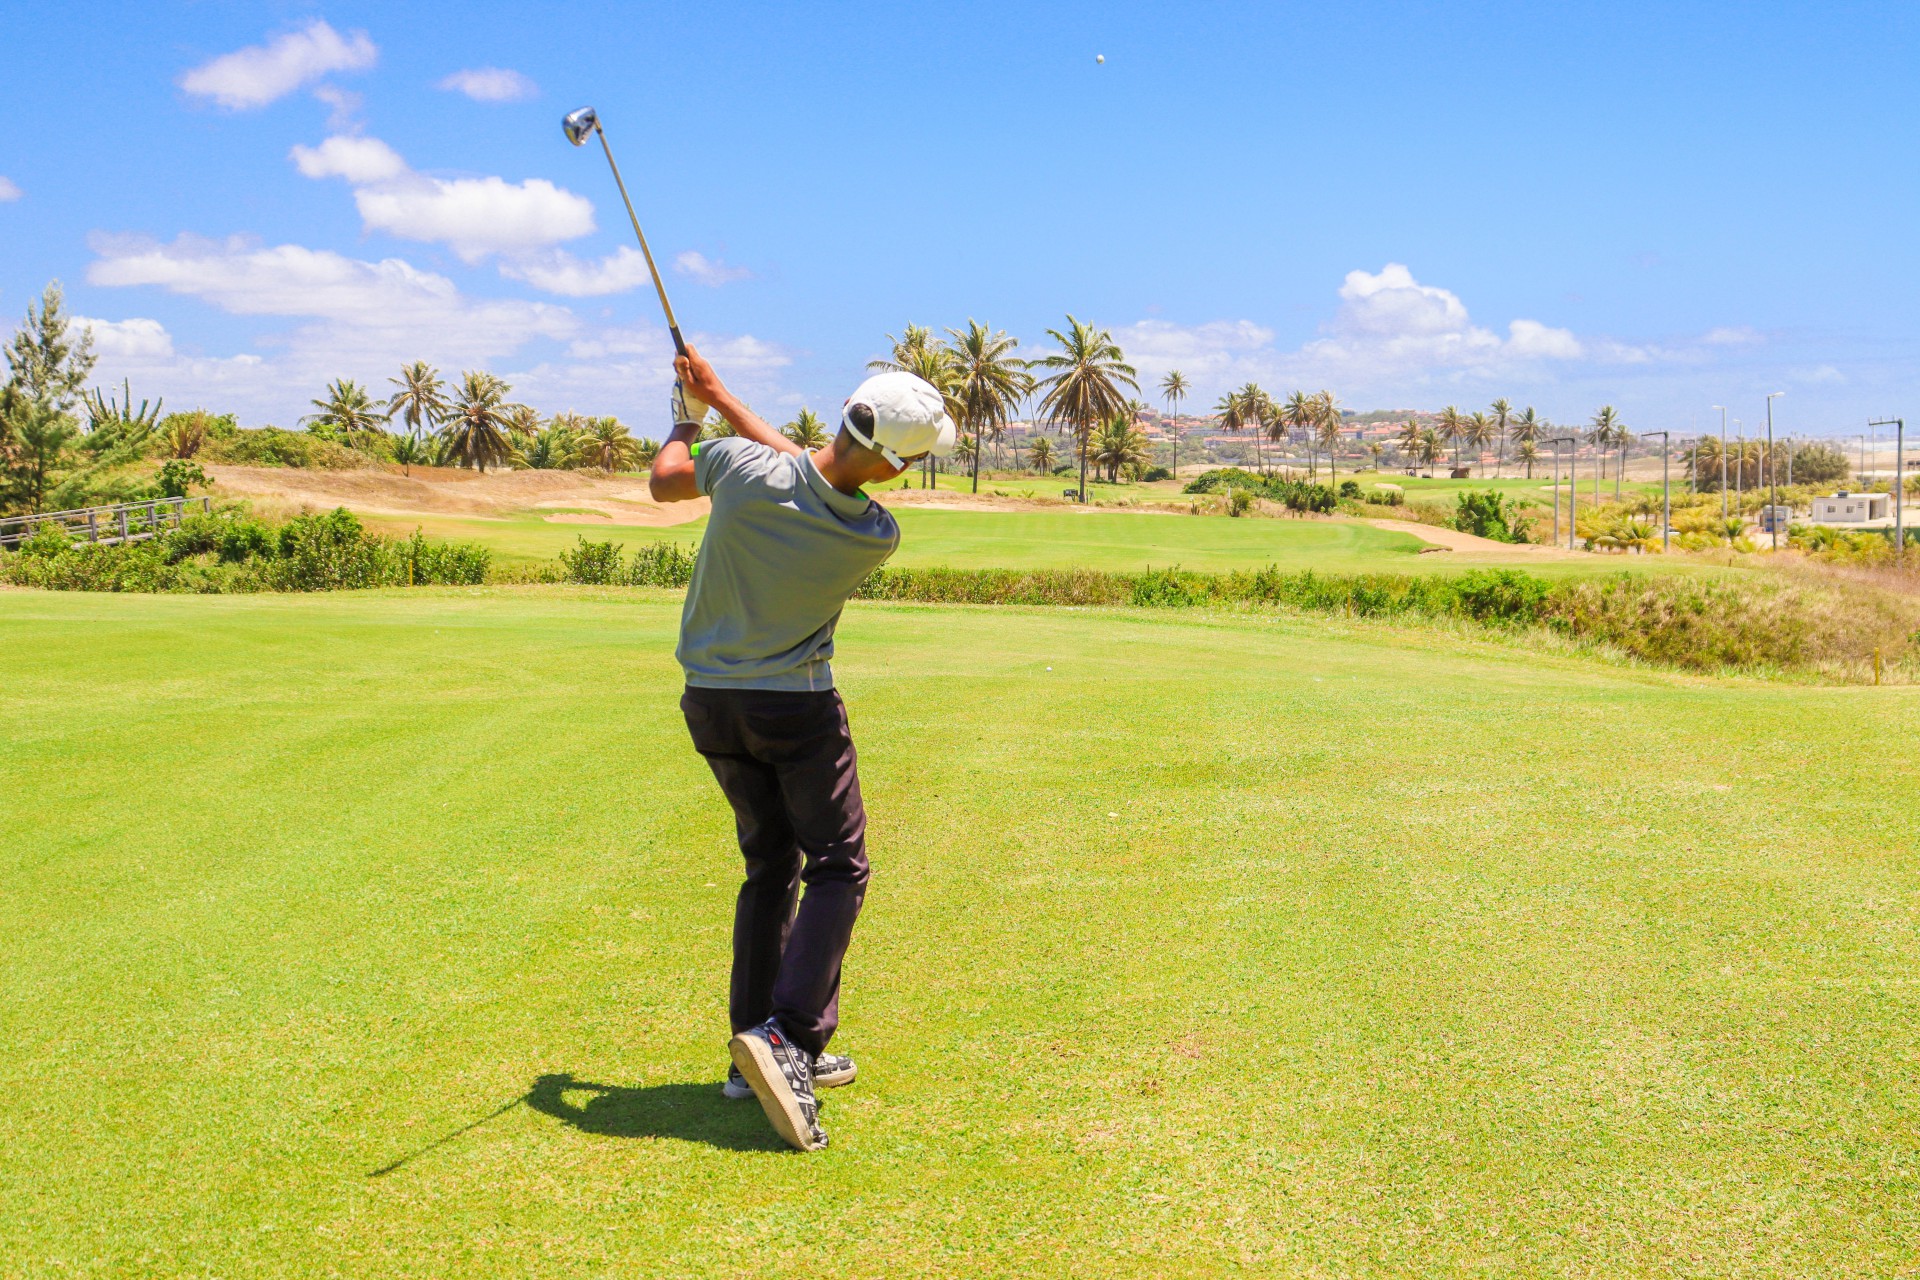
point(1724, 513)
point(1666, 493)
point(1773, 478)
point(1899, 426)
point(1573, 484)
point(1740, 460)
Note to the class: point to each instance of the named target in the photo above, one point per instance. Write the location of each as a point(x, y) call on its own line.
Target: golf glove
point(687, 407)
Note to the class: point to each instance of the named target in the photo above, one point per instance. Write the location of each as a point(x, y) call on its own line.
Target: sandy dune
point(1485, 548)
point(580, 497)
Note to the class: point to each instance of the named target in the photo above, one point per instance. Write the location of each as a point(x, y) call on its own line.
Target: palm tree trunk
point(976, 459)
point(1086, 437)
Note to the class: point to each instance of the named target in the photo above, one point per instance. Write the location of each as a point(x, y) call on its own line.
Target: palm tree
point(1249, 408)
point(1374, 449)
point(1120, 446)
point(1600, 435)
point(988, 382)
point(1326, 425)
point(806, 430)
point(1452, 427)
point(1502, 416)
point(1429, 447)
point(1407, 441)
point(1040, 454)
point(1298, 415)
point(475, 427)
point(1478, 434)
point(1706, 459)
point(608, 445)
point(1529, 453)
point(421, 398)
point(524, 421)
point(1083, 382)
point(645, 450)
point(1174, 388)
point(409, 451)
point(1526, 428)
point(346, 411)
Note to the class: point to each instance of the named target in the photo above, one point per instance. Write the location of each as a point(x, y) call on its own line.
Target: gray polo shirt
point(783, 551)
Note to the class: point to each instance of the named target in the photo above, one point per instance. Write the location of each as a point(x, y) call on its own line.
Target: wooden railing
point(122, 522)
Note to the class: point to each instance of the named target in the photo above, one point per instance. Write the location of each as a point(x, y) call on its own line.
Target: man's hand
point(698, 377)
point(686, 408)
point(700, 381)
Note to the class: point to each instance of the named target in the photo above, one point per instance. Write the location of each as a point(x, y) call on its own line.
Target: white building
point(1853, 508)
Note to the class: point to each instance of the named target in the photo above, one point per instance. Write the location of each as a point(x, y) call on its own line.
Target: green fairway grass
point(1047, 539)
point(385, 935)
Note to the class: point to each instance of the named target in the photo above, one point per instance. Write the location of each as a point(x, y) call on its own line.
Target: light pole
point(1666, 493)
point(1740, 462)
point(1899, 426)
point(1773, 479)
point(1573, 485)
point(1724, 513)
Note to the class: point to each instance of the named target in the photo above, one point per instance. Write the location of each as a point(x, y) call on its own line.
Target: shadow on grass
point(687, 1112)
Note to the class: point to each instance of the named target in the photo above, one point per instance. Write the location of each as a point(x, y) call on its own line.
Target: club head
point(580, 125)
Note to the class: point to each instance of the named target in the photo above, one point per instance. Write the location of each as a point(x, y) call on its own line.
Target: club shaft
point(673, 326)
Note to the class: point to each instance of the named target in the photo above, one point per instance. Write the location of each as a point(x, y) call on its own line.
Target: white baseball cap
point(909, 417)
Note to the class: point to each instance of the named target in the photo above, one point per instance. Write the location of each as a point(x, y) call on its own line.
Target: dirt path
point(576, 497)
point(1484, 548)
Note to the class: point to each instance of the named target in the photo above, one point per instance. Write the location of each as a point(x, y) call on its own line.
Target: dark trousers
point(786, 763)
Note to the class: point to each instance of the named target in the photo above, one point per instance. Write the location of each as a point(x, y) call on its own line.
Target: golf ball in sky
point(1099, 57)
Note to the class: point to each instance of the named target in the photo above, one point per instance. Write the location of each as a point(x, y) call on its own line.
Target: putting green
point(385, 935)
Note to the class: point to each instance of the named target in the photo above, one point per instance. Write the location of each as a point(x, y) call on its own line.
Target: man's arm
point(702, 381)
point(671, 477)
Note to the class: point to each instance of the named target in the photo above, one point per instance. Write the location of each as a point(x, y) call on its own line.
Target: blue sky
point(1663, 207)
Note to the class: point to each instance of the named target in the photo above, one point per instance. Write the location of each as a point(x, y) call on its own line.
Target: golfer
point(790, 537)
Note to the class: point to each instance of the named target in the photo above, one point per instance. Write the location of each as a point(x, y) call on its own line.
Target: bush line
point(1754, 622)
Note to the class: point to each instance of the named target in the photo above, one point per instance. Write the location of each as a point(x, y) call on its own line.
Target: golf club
point(578, 124)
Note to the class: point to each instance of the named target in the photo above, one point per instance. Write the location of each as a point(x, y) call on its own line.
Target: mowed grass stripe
point(1402, 954)
point(1112, 540)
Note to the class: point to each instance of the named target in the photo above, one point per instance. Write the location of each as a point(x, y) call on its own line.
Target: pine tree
point(46, 364)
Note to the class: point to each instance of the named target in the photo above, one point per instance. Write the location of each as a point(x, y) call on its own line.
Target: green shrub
point(226, 553)
point(1506, 597)
point(177, 475)
point(1489, 515)
point(1239, 501)
point(1157, 473)
point(592, 564)
point(1295, 495)
point(273, 447)
point(661, 564)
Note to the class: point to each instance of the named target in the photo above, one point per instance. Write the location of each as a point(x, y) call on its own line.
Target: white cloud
point(1393, 340)
point(634, 366)
point(472, 216)
point(135, 339)
point(711, 272)
point(388, 307)
point(8, 191)
point(358, 160)
point(342, 106)
point(558, 271)
point(490, 84)
point(360, 319)
point(260, 74)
